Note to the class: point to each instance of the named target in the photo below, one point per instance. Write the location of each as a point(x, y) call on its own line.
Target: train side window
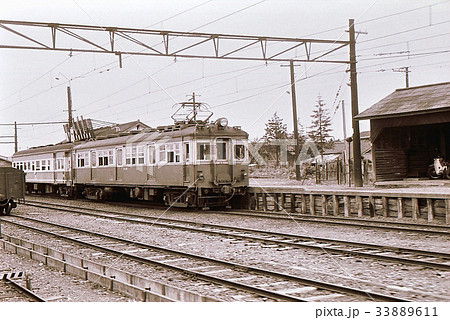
point(177, 152)
point(203, 151)
point(44, 165)
point(119, 157)
point(151, 155)
point(162, 153)
point(105, 158)
point(221, 146)
point(59, 164)
point(130, 156)
point(82, 160)
point(140, 155)
point(111, 157)
point(38, 165)
point(170, 153)
point(239, 152)
point(93, 158)
point(33, 165)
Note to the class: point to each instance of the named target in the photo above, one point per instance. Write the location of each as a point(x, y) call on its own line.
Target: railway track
point(272, 284)
point(11, 289)
point(431, 229)
point(409, 256)
point(349, 222)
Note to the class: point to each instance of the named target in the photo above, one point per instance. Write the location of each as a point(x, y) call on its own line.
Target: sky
point(391, 35)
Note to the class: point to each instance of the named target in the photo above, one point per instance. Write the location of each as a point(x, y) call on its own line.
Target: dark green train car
point(12, 188)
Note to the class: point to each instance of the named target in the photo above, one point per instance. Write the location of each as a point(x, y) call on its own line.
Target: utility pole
point(344, 128)
point(193, 107)
point(294, 115)
point(16, 145)
point(69, 111)
point(407, 76)
point(357, 174)
point(406, 71)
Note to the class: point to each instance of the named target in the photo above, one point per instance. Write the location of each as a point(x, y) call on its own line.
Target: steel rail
point(28, 293)
point(264, 272)
point(286, 242)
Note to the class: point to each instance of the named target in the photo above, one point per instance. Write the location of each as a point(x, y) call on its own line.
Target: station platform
point(440, 188)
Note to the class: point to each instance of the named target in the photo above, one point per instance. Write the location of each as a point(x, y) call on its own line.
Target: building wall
point(5, 163)
point(407, 151)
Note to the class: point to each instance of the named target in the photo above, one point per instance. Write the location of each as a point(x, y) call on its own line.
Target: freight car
point(12, 188)
point(192, 163)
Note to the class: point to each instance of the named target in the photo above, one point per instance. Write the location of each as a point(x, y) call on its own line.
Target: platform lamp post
point(69, 106)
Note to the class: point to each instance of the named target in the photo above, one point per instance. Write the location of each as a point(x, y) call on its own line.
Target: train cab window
point(44, 165)
point(203, 151)
point(221, 147)
point(239, 152)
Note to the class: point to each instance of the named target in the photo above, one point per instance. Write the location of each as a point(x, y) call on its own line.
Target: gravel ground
point(297, 261)
point(54, 285)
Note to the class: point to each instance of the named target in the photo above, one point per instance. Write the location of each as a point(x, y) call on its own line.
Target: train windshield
point(222, 149)
point(203, 151)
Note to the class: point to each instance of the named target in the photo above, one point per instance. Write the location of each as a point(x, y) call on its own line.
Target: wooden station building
point(409, 128)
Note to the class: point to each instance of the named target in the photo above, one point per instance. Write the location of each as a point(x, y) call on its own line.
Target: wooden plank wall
point(432, 208)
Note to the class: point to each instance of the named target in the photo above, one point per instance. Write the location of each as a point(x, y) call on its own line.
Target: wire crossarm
point(129, 41)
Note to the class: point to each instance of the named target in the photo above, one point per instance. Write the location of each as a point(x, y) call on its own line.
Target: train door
point(222, 167)
point(186, 161)
point(119, 164)
point(53, 167)
point(93, 165)
point(151, 156)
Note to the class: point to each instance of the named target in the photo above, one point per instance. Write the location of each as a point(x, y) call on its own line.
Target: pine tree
point(321, 127)
point(275, 129)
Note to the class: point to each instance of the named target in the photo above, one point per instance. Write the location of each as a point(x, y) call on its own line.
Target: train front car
point(214, 166)
point(187, 164)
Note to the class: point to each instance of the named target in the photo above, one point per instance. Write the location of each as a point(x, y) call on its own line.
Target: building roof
point(120, 128)
point(410, 101)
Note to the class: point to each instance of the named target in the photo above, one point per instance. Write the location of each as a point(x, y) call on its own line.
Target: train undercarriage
point(222, 196)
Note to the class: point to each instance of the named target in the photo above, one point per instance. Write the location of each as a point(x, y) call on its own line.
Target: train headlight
point(223, 122)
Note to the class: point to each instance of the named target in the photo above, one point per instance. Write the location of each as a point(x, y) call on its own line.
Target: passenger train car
point(191, 163)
